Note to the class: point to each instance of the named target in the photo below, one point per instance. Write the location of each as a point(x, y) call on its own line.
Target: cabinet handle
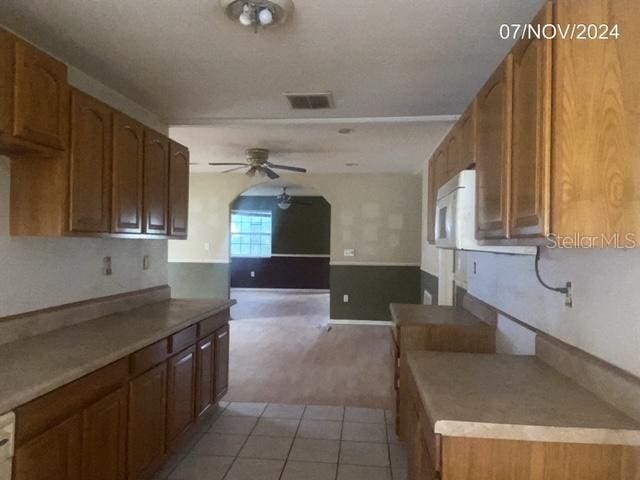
point(185, 359)
point(205, 346)
point(222, 335)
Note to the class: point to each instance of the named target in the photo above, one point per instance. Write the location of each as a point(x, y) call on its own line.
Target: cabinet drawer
point(183, 339)
point(149, 357)
point(212, 323)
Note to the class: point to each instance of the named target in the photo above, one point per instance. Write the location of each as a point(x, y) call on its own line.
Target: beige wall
point(377, 215)
point(604, 320)
point(44, 272)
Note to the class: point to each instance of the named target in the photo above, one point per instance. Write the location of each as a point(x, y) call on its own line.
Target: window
point(250, 234)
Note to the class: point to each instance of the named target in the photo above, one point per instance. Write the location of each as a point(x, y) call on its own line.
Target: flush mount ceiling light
point(258, 13)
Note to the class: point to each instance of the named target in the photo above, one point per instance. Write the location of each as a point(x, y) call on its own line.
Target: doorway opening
point(279, 245)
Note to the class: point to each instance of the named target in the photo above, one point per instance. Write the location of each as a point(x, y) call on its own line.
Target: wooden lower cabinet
point(124, 420)
point(205, 380)
point(147, 422)
point(53, 455)
point(104, 436)
point(181, 386)
point(221, 362)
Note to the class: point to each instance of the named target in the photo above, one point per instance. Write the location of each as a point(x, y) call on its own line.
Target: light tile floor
point(258, 441)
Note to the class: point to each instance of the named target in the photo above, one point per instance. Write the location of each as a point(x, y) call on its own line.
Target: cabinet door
point(178, 189)
point(221, 362)
point(104, 437)
point(467, 129)
point(90, 165)
point(180, 393)
point(441, 172)
point(55, 454)
point(531, 147)
point(41, 98)
point(156, 183)
point(432, 192)
point(453, 152)
point(147, 422)
point(205, 375)
point(494, 155)
point(128, 161)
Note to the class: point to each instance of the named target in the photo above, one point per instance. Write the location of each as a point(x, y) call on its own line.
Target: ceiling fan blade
point(286, 167)
point(218, 164)
point(270, 173)
point(233, 169)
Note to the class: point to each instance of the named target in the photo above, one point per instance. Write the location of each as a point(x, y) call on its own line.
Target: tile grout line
point(344, 414)
point(243, 443)
point(293, 440)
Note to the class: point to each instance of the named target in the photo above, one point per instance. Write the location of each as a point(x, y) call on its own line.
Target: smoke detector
point(258, 13)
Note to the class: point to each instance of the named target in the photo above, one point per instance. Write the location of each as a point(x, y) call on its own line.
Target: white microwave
point(456, 217)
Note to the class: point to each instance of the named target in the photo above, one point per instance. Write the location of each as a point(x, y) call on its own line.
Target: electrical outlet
point(349, 252)
point(345, 298)
point(106, 266)
point(207, 246)
point(146, 262)
point(253, 274)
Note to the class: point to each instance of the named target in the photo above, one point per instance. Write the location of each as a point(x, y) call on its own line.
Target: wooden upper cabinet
point(34, 99)
point(90, 165)
point(178, 189)
point(432, 193)
point(147, 422)
point(41, 97)
point(467, 135)
point(596, 124)
point(156, 183)
point(127, 184)
point(531, 147)
point(55, 454)
point(453, 152)
point(104, 435)
point(441, 167)
point(494, 154)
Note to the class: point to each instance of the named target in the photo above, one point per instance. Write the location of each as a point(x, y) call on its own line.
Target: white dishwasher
point(7, 431)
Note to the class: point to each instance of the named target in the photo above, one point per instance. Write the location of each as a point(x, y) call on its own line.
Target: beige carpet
point(283, 352)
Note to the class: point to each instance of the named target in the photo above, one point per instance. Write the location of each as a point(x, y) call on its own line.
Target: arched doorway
point(279, 249)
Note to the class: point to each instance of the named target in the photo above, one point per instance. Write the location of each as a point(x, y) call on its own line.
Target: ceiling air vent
point(310, 101)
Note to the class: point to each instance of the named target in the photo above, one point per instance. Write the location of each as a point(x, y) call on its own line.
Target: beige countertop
point(416, 314)
point(34, 366)
point(513, 397)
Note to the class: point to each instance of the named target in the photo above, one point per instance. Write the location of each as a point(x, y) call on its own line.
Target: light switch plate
point(345, 298)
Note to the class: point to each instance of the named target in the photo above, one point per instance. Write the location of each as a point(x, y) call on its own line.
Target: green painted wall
point(429, 283)
point(302, 229)
point(199, 280)
point(371, 289)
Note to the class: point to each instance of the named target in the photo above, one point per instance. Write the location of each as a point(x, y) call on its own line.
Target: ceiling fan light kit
point(258, 13)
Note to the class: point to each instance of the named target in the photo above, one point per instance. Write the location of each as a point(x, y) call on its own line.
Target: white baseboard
point(287, 290)
point(379, 323)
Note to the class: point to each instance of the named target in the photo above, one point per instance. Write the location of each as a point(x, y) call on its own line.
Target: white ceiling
point(317, 146)
point(188, 63)
point(184, 60)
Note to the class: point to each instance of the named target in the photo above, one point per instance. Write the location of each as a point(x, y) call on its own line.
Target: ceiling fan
point(258, 163)
point(285, 200)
